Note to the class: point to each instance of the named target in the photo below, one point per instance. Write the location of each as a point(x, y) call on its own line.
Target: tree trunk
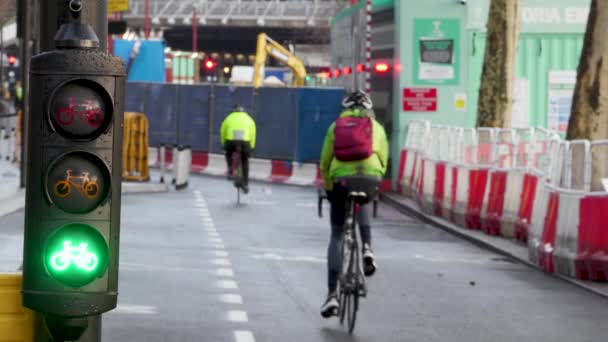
point(497, 79)
point(589, 119)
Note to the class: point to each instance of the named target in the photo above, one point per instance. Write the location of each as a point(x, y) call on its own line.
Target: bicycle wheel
point(62, 189)
point(344, 280)
point(353, 300)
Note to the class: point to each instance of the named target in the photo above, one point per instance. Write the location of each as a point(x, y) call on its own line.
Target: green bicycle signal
point(76, 255)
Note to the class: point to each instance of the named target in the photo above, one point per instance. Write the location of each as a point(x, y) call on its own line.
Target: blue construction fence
point(291, 122)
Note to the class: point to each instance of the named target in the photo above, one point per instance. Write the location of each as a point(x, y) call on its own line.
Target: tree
point(589, 119)
point(497, 79)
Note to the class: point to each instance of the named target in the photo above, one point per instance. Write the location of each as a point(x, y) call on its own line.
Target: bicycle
point(352, 284)
point(237, 173)
point(77, 255)
point(91, 115)
point(86, 186)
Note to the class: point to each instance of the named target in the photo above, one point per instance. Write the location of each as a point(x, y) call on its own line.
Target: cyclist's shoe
point(369, 261)
point(246, 189)
point(331, 306)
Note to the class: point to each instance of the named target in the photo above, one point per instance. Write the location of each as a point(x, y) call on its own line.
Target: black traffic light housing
point(72, 214)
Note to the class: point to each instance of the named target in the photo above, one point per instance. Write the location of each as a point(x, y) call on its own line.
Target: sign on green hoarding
point(436, 51)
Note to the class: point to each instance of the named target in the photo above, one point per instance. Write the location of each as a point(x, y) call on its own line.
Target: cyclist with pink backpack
point(355, 145)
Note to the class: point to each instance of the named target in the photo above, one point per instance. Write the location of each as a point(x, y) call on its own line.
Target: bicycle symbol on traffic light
point(77, 255)
point(89, 113)
point(87, 187)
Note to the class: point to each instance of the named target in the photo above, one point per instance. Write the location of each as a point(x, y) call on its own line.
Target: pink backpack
point(353, 138)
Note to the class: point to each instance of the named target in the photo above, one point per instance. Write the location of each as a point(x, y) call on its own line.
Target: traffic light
point(12, 60)
point(210, 65)
point(72, 214)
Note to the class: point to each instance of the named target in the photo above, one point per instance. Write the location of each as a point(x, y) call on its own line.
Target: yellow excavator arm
point(265, 47)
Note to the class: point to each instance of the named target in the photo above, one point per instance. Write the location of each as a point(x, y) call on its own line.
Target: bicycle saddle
point(362, 188)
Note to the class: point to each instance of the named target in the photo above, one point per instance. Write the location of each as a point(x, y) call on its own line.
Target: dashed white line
point(230, 298)
point(136, 310)
point(237, 316)
point(244, 336)
point(219, 245)
point(227, 284)
point(221, 254)
point(221, 262)
point(224, 272)
point(216, 241)
point(213, 234)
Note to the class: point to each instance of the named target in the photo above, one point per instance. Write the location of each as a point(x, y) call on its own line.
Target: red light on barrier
point(337, 73)
point(382, 68)
point(348, 70)
point(360, 68)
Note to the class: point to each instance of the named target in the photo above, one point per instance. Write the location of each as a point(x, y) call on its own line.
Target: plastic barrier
point(16, 322)
point(135, 165)
point(183, 161)
point(503, 158)
point(7, 144)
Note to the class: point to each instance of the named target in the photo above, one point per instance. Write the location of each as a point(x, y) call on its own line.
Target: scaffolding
point(268, 13)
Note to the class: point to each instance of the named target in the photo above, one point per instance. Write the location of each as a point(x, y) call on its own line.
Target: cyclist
point(239, 131)
point(355, 145)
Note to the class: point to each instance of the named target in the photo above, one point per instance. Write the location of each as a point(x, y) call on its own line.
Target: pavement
point(12, 198)
point(194, 266)
point(508, 247)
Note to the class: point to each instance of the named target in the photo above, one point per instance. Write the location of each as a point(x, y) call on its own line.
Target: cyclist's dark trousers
point(231, 146)
point(337, 199)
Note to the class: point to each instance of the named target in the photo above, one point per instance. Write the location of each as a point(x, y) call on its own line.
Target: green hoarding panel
point(538, 55)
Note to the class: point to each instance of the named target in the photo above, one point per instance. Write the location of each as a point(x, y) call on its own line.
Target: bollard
point(182, 164)
point(173, 163)
point(162, 151)
point(10, 156)
point(2, 142)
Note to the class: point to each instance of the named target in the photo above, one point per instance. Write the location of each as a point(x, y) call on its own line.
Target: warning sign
point(118, 6)
point(420, 99)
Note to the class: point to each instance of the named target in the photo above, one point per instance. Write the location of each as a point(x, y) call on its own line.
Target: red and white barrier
point(521, 183)
point(276, 171)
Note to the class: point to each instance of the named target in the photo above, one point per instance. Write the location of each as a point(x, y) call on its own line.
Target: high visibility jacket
point(238, 126)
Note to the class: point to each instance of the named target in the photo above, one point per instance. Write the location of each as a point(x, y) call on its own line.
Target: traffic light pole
point(74, 146)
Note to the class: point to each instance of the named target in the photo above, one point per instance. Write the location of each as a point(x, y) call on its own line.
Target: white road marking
point(229, 298)
point(441, 259)
point(237, 316)
point(213, 234)
point(227, 284)
point(221, 262)
point(219, 245)
point(224, 272)
point(136, 310)
point(244, 336)
point(216, 241)
point(211, 228)
point(220, 254)
point(307, 205)
point(273, 256)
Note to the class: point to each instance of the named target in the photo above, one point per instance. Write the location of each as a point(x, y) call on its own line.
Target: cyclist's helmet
point(238, 108)
point(357, 99)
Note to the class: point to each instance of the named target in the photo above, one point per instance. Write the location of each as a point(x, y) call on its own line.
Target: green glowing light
point(76, 254)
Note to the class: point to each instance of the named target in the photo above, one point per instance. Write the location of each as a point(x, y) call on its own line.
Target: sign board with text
point(420, 99)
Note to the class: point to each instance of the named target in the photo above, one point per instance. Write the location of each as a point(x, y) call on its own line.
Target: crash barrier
point(16, 322)
point(291, 122)
point(276, 171)
point(8, 138)
point(135, 148)
point(523, 184)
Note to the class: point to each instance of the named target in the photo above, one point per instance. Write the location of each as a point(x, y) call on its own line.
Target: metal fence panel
point(194, 116)
point(135, 97)
point(162, 111)
point(275, 116)
point(317, 110)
